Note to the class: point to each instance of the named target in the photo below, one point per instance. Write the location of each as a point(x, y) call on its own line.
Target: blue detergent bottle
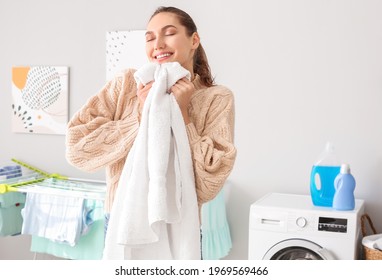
point(344, 185)
point(322, 177)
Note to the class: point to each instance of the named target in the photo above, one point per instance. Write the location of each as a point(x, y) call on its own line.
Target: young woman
point(102, 133)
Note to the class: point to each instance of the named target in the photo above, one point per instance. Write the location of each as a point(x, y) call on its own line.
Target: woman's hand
point(142, 92)
point(182, 90)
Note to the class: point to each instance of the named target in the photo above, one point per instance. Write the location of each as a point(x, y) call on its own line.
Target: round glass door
point(297, 249)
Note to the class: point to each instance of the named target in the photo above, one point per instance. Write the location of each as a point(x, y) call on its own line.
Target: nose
point(159, 43)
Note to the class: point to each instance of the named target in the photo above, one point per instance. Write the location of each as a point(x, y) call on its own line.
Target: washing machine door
point(297, 249)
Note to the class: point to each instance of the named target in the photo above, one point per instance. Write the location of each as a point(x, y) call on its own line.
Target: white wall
point(303, 72)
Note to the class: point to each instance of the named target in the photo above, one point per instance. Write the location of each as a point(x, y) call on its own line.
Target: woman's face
point(167, 41)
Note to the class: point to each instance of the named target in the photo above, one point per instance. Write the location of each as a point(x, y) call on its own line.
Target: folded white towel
point(155, 211)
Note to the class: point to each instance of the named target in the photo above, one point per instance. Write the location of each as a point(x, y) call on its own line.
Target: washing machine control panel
point(332, 224)
point(312, 223)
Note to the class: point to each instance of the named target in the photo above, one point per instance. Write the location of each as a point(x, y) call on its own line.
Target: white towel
point(155, 211)
point(58, 218)
point(373, 241)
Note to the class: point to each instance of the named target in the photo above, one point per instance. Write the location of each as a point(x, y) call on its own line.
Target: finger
point(180, 86)
point(174, 89)
point(149, 84)
point(183, 81)
point(142, 86)
point(148, 87)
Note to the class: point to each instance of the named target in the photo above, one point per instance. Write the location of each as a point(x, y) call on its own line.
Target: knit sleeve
point(213, 150)
point(104, 129)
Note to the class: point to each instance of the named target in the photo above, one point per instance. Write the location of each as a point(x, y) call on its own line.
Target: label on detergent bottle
point(322, 177)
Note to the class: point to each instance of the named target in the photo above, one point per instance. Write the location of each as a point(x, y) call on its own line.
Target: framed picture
point(40, 99)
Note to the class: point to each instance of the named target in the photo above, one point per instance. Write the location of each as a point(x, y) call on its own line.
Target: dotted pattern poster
point(40, 99)
point(124, 49)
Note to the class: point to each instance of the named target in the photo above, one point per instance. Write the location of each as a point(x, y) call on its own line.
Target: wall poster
point(40, 99)
point(124, 49)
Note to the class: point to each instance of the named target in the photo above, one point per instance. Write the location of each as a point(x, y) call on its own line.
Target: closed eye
point(149, 39)
point(149, 36)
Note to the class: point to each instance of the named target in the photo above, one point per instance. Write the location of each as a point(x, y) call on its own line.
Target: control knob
point(301, 222)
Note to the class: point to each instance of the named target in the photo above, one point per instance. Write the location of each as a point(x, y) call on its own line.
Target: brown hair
point(201, 66)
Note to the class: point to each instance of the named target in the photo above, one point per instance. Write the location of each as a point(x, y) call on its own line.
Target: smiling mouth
point(163, 55)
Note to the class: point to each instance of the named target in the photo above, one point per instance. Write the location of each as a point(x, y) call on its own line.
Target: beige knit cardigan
point(102, 132)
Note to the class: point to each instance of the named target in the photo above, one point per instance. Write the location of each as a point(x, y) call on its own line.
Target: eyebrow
point(163, 28)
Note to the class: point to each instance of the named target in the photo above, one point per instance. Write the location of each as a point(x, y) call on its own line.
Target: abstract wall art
point(124, 49)
point(40, 99)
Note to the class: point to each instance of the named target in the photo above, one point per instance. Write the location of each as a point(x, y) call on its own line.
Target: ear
point(195, 40)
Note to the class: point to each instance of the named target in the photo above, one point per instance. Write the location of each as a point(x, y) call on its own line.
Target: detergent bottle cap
point(345, 168)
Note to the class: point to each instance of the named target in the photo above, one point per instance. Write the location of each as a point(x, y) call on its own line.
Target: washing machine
point(290, 227)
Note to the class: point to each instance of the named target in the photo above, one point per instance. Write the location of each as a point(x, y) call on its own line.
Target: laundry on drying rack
point(10, 213)
point(62, 219)
point(88, 247)
point(10, 203)
point(56, 209)
point(63, 215)
point(10, 171)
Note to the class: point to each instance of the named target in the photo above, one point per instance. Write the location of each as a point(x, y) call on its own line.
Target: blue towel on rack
point(9, 172)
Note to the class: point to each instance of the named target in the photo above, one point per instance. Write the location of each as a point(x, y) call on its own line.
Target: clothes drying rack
point(18, 176)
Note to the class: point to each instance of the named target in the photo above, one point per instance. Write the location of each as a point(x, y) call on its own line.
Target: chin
point(165, 61)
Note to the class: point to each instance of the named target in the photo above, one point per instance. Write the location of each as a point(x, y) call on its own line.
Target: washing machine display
point(287, 226)
point(332, 224)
